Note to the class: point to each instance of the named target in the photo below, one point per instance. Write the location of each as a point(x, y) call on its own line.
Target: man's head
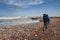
point(44, 14)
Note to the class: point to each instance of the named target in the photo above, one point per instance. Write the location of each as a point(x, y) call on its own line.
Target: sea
point(16, 20)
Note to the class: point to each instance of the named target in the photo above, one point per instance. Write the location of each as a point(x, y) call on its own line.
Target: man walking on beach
point(46, 21)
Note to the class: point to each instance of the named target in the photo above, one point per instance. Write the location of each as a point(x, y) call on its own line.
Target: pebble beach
point(31, 31)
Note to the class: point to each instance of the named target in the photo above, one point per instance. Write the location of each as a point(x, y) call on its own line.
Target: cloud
point(22, 3)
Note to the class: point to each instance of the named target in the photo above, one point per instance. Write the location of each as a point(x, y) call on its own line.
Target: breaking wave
point(16, 20)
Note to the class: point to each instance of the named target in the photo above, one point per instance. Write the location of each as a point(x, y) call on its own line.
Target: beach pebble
point(35, 34)
point(25, 39)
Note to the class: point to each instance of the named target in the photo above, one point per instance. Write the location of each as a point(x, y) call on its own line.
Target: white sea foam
point(17, 20)
point(11, 17)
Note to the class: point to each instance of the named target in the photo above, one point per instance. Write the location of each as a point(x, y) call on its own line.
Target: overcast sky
point(29, 7)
